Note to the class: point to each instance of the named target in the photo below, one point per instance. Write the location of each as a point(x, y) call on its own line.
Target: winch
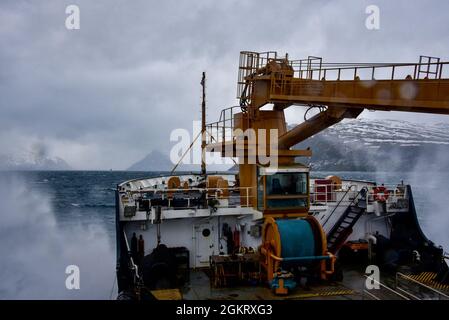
point(294, 247)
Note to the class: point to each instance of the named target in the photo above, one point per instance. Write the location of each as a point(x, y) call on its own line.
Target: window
point(206, 233)
point(287, 190)
point(287, 184)
point(287, 203)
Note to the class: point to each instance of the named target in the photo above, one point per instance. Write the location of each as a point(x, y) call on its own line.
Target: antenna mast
point(203, 126)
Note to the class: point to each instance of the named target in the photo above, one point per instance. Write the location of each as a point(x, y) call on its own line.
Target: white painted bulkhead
point(190, 233)
point(187, 227)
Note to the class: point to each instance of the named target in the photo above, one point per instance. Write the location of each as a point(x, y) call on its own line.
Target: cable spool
point(289, 243)
point(173, 183)
point(336, 182)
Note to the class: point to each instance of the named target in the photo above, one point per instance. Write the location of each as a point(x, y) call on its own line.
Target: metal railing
point(383, 290)
point(249, 64)
point(314, 69)
point(422, 287)
point(223, 129)
point(331, 195)
point(289, 75)
point(339, 202)
point(285, 85)
point(132, 266)
point(237, 196)
point(241, 196)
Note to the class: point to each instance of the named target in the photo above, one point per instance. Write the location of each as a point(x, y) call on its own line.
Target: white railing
point(225, 197)
point(344, 196)
point(381, 295)
point(245, 197)
point(133, 266)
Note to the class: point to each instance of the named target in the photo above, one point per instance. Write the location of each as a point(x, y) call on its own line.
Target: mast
point(203, 126)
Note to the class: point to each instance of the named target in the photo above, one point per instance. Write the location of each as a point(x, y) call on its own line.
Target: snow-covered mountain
point(386, 145)
point(357, 145)
point(31, 161)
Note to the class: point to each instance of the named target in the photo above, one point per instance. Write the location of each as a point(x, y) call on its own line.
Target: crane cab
point(283, 191)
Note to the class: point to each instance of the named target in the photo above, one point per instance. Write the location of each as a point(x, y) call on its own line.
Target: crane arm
point(345, 89)
point(316, 124)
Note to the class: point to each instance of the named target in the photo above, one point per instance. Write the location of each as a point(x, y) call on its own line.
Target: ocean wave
point(93, 205)
point(100, 205)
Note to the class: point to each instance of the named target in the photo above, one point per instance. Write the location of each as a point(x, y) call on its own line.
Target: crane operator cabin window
point(286, 190)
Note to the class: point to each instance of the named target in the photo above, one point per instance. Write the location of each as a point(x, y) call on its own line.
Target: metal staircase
point(343, 227)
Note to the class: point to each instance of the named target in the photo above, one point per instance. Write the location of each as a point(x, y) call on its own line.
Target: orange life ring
point(381, 194)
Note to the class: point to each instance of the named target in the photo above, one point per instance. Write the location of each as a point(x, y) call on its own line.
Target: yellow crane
point(337, 91)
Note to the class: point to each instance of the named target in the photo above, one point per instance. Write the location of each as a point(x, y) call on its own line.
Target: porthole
point(206, 232)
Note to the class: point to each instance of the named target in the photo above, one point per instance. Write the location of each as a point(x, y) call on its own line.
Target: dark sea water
point(54, 219)
point(85, 197)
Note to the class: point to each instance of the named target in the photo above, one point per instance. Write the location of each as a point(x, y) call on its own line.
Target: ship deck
point(184, 223)
point(199, 288)
point(353, 287)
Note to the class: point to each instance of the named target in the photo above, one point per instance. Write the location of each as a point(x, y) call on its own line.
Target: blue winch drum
point(298, 240)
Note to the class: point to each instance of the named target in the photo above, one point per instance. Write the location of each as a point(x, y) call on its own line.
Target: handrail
point(419, 283)
point(309, 67)
point(417, 71)
point(145, 190)
point(210, 194)
point(336, 226)
point(296, 77)
point(244, 192)
point(338, 204)
point(243, 197)
point(408, 293)
point(252, 61)
point(386, 287)
point(392, 190)
point(225, 122)
point(134, 267)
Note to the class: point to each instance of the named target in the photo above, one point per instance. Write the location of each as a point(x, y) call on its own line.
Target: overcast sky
point(106, 95)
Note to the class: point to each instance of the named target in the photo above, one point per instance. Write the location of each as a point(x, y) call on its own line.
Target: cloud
point(107, 94)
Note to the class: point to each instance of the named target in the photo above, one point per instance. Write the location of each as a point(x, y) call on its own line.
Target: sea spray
point(35, 250)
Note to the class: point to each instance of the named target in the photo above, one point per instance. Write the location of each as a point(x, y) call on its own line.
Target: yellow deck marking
point(427, 278)
point(321, 293)
point(167, 294)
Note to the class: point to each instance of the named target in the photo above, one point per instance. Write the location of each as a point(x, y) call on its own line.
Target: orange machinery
point(269, 83)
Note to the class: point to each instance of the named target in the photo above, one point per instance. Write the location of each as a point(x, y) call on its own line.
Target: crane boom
point(345, 89)
point(337, 90)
